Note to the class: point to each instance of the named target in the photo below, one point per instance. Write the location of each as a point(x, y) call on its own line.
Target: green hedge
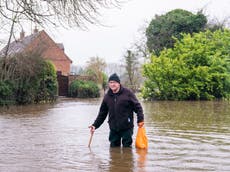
point(197, 68)
point(35, 82)
point(7, 93)
point(84, 89)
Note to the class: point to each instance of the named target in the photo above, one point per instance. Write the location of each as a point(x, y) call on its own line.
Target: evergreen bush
point(30, 79)
point(84, 89)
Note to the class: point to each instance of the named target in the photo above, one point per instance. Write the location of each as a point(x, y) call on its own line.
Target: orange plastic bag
point(141, 139)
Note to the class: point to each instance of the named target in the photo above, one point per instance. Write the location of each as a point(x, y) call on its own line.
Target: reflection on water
point(121, 159)
point(183, 136)
point(189, 136)
point(141, 158)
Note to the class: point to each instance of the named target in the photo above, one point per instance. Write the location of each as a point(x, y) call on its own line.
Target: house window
point(59, 72)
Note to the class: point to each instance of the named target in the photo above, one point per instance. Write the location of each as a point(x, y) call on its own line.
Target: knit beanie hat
point(114, 77)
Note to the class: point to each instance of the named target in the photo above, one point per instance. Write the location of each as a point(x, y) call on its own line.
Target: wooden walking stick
point(90, 139)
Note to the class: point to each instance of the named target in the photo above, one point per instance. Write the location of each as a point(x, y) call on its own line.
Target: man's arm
point(101, 115)
point(137, 109)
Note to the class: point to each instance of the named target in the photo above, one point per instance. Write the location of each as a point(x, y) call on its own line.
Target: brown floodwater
point(182, 135)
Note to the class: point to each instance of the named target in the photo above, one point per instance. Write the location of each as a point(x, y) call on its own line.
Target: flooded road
point(183, 136)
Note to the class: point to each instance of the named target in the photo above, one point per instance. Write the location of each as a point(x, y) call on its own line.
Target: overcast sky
point(123, 24)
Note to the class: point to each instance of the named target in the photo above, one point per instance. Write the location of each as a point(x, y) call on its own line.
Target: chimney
point(22, 34)
point(35, 29)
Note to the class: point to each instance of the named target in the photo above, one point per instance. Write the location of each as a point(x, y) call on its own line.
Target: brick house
point(40, 42)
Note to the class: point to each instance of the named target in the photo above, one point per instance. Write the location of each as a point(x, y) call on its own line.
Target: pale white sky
point(112, 42)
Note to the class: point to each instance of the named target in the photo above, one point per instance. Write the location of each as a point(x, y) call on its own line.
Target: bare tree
point(215, 23)
point(4, 70)
point(15, 14)
point(115, 68)
point(96, 67)
point(132, 67)
point(140, 47)
point(70, 12)
point(65, 13)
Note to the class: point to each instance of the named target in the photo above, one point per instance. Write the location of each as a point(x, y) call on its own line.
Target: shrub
point(83, 89)
point(197, 68)
point(47, 89)
point(34, 82)
point(6, 93)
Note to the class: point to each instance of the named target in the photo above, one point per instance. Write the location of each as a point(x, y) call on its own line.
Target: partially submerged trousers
point(123, 136)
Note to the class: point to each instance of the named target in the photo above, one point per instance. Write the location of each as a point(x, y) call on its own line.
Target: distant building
point(40, 42)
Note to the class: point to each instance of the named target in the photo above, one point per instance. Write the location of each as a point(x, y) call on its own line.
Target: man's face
point(114, 86)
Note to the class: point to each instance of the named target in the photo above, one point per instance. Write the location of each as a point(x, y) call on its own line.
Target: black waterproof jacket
point(120, 107)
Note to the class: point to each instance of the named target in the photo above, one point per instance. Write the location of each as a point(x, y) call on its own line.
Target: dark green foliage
point(162, 29)
point(197, 68)
point(30, 80)
point(47, 90)
point(39, 88)
point(84, 89)
point(6, 93)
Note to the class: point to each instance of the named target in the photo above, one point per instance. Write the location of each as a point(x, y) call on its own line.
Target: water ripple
point(55, 137)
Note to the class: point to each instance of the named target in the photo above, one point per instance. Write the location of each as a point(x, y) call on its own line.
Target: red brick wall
point(49, 49)
point(71, 78)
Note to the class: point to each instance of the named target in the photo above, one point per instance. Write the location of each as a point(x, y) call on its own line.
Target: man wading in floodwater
point(120, 103)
